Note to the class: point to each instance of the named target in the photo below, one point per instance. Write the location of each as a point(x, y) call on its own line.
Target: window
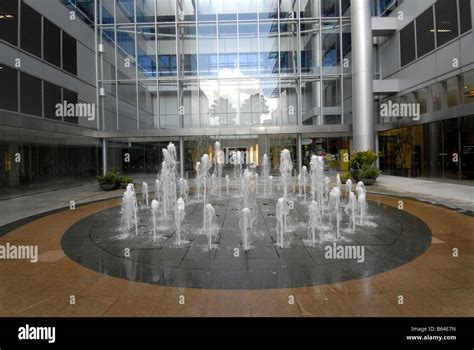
point(9, 22)
point(70, 97)
point(407, 44)
point(52, 96)
point(30, 30)
point(69, 54)
point(468, 81)
point(425, 32)
point(8, 89)
point(422, 98)
point(465, 15)
point(30, 95)
point(438, 94)
point(452, 88)
point(446, 21)
point(330, 8)
point(52, 43)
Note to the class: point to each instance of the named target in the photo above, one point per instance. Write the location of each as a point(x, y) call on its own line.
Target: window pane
point(9, 24)
point(52, 96)
point(407, 44)
point(439, 97)
point(30, 30)
point(69, 54)
point(422, 98)
point(453, 91)
point(165, 10)
point(425, 32)
point(145, 11)
point(30, 92)
point(465, 15)
point(8, 89)
point(330, 8)
point(127, 106)
point(446, 21)
point(52, 43)
point(469, 87)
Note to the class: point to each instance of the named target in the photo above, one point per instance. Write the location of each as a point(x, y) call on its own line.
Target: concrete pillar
point(104, 156)
point(362, 76)
point(181, 156)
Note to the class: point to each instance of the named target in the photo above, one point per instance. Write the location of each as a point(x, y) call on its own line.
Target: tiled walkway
point(435, 284)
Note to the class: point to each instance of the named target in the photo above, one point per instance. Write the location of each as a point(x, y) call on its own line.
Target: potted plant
point(362, 167)
point(109, 181)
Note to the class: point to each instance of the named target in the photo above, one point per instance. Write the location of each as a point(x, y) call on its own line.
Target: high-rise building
point(312, 76)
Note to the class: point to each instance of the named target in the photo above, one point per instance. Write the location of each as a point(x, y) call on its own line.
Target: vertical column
point(316, 62)
point(181, 155)
point(299, 144)
point(104, 156)
point(362, 79)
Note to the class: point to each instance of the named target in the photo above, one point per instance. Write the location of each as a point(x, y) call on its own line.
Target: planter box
point(109, 186)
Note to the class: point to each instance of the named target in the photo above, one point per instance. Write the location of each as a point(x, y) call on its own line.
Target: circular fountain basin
point(393, 238)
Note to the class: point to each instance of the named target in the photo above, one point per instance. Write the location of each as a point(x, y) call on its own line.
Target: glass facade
point(439, 150)
point(211, 64)
point(33, 159)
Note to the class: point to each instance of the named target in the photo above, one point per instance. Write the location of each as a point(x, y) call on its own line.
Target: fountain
point(338, 181)
point(351, 210)
point(155, 208)
point(246, 188)
point(168, 179)
point(265, 173)
point(213, 183)
point(157, 189)
point(315, 222)
point(348, 188)
point(304, 175)
point(327, 188)
point(205, 166)
point(286, 166)
point(237, 162)
point(183, 188)
point(362, 206)
point(186, 190)
point(245, 226)
point(179, 215)
point(209, 223)
point(282, 211)
point(145, 194)
point(198, 179)
point(218, 164)
point(335, 207)
point(227, 181)
point(129, 209)
point(317, 181)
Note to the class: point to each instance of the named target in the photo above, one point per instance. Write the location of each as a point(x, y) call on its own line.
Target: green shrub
point(110, 177)
point(113, 177)
point(362, 165)
point(124, 181)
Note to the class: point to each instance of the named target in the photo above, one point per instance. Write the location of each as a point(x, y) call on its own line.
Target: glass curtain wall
point(209, 63)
